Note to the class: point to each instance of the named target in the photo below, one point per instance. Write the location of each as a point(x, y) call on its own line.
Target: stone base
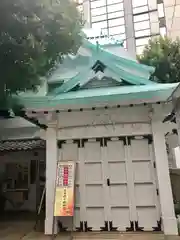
point(48, 227)
point(170, 226)
point(116, 236)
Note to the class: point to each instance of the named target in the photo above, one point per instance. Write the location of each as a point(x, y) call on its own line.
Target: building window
point(142, 33)
point(98, 11)
point(148, 16)
point(141, 17)
point(137, 3)
point(115, 14)
point(116, 22)
point(99, 25)
point(98, 3)
point(117, 30)
point(99, 18)
point(140, 9)
point(142, 41)
point(113, 1)
point(115, 7)
point(108, 17)
point(141, 25)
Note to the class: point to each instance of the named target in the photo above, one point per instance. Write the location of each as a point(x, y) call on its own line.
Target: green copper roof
point(96, 75)
point(147, 93)
point(87, 52)
point(124, 69)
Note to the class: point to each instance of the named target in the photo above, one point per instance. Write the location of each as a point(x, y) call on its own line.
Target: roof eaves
point(23, 144)
point(31, 119)
point(175, 94)
point(162, 91)
point(71, 83)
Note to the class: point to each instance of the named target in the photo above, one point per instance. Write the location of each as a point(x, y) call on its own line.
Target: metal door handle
point(108, 181)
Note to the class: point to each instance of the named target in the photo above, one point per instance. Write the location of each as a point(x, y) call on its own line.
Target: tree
point(34, 36)
point(164, 55)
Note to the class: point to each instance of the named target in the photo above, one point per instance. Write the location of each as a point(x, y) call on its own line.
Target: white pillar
point(178, 122)
point(51, 164)
point(165, 192)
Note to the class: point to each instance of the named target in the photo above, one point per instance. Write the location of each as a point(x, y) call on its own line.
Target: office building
point(135, 21)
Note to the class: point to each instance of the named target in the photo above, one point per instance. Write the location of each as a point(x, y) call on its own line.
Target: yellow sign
point(64, 194)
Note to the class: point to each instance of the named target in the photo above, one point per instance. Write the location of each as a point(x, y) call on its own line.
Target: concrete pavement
point(101, 236)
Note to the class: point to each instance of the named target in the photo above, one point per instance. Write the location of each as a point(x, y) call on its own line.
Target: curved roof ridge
point(71, 83)
point(125, 69)
point(129, 77)
point(127, 94)
point(94, 48)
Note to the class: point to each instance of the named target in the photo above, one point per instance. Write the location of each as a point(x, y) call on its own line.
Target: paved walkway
point(102, 236)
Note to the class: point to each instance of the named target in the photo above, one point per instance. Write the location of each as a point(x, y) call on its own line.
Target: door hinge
point(105, 228)
point(150, 139)
point(80, 228)
point(131, 228)
point(60, 143)
point(137, 228)
point(154, 164)
point(111, 228)
point(157, 191)
point(158, 227)
point(86, 228)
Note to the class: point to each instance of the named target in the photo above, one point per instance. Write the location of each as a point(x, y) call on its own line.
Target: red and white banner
point(64, 192)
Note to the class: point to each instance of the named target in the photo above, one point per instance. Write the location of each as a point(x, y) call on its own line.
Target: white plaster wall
point(104, 131)
point(104, 116)
point(22, 156)
point(104, 123)
point(107, 122)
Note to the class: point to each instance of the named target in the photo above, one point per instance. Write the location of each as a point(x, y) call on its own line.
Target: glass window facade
point(108, 16)
point(147, 15)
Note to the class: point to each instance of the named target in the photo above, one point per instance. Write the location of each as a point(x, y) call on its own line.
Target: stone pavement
point(101, 236)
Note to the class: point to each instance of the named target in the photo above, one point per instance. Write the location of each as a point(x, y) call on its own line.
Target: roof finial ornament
point(97, 46)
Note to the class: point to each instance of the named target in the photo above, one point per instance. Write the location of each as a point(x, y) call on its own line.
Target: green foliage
point(164, 55)
point(34, 37)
